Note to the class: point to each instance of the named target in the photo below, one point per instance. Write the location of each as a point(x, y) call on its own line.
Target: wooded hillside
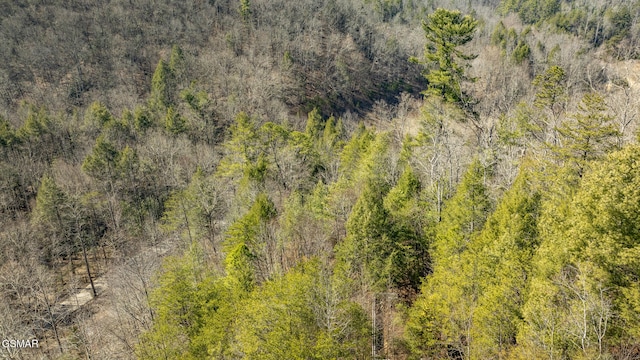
point(339, 179)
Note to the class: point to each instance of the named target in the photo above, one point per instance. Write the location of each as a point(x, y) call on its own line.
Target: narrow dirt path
point(74, 302)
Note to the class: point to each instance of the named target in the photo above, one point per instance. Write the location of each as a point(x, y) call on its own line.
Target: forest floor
point(79, 299)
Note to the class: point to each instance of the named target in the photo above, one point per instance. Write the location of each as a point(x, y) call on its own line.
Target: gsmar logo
point(19, 344)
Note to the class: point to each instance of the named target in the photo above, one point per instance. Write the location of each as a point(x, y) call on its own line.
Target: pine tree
point(315, 124)
point(51, 215)
point(7, 134)
point(174, 123)
point(36, 124)
point(441, 319)
point(101, 163)
point(245, 10)
point(409, 257)
point(463, 215)
point(50, 204)
point(551, 93)
point(504, 252)
point(176, 63)
point(583, 295)
point(245, 254)
point(161, 89)
point(446, 31)
point(142, 118)
point(364, 252)
point(301, 316)
point(98, 115)
point(242, 149)
point(590, 136)
point(179, 304)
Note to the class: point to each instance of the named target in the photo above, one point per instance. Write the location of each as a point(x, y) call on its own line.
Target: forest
point(328, 179)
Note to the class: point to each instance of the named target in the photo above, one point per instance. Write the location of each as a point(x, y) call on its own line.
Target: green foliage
point(117, 171)
point(173, 122)
point(504, 251)
point(176, 62)
point(98, 115)
point(408, 256)
point(384, 243)
point(605, 232)
point(288, 317)
point(590, 135)
point(245, 242)
point(333, 132)
point(142, 119)
point(303, 314)
point(552, 93)
point(353, 151)
point(50, 203)
point(7, 134)
point(441, 318)
point(531, 11)
point(243, 151)
point(245, 10)
point(315, 124)
point(36, 124)
point(463, 215)
point(101, 163)
point(362, 204)
point(499, 35)
point(621, 22)
point(180, 303)
point(119, 131)
point(521, 52)
point(198, 101)
point(446, 31)
point(511, 43)
point(364, 251)
point(161, 88)
point(582, 298)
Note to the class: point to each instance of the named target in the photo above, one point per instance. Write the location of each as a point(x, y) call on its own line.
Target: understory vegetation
point(339, 179)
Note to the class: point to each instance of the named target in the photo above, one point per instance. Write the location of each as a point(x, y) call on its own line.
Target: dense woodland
point(329, 179)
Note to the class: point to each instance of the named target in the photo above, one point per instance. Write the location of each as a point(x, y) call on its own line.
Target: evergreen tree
point(142, 118)
point(463, 215)
point(590, 136)
point(446, 31)
point(50, 204)
point(98, 115)
point(101, 163)
point(441, 319)
point(179, 304)
point(315, 124)
point(51, 215)
point(174, 123)
point(244, 157)
point(7, 134)
point(245, 252)
point(299, 316)
point(365, 250)
point(408, 260)
point(583, 296)
point(353, 151)
point(551, 92)
point(176, 63)
point(36, 124)
point(161, 88)
point(245, 10)
point(192, 212)
point(504, 252)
